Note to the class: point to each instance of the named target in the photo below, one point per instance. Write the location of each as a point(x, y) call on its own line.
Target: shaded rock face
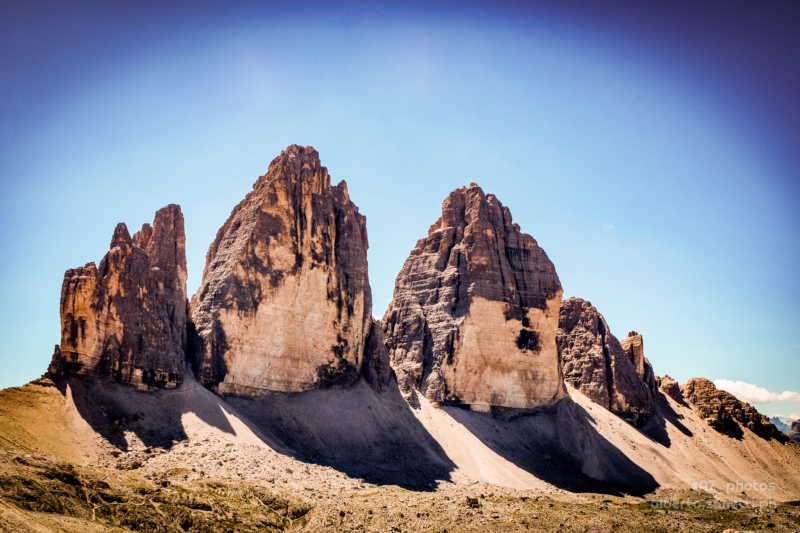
point(724, 412)
point(126, 320)
point(794, 434)
point(612, 374)
point(475, 311)
point(377, 367)
point(285, 304)
point(671, 388)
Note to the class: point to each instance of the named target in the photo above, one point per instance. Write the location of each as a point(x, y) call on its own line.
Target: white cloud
point(750, 393)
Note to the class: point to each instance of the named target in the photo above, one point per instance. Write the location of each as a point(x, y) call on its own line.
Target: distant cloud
point(608, 226)
point(750, 393)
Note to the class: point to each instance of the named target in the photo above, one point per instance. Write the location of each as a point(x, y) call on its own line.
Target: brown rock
point(475, 311)
point(671, 388)
point(593, 361)
point(723, 411)
point(794, 434)
point(126, 320)
point(285, 303)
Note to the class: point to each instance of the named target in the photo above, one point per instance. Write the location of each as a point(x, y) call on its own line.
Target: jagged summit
point(611, 373)
point(126, 320)
point(285, 303)
point(475, 311)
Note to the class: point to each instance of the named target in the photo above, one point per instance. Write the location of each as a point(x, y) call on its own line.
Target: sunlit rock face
point(612, 374)
point(475, 311)
point(285, 304)
point(126, 320)
point(724, 412)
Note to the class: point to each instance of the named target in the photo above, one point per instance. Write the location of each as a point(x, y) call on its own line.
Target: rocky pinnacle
point(126, 320)
point(475, 311)
point(285, 303)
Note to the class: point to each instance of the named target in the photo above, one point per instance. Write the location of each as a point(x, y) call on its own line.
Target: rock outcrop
point(794, 434)
point(612, 374)
point(126, 320)
point(724, 412)
point(285, 304)
point(475, 311)
point(671, 388)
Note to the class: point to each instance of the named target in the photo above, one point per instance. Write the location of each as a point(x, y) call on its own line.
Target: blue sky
point(653, 149)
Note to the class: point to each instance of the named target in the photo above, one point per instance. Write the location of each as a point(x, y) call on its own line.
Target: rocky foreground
point(38, 493)
point(87, 458)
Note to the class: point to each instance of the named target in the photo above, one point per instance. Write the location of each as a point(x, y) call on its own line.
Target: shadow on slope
point(559, 445)
point(656, 426)
point(357, 431)
point(156, 418)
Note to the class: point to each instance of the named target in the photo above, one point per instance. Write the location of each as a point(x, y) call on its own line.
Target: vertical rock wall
point(612, 374)
point(285, 304)
point(126, 320)
point(475, 311)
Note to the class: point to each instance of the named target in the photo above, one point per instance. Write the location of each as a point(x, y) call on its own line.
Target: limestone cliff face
point(285, 304)
point(475, 311)
point(612, 374)
point(724, 412)
point(126, 320)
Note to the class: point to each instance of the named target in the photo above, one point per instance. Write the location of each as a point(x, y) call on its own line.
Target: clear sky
point(652, 148)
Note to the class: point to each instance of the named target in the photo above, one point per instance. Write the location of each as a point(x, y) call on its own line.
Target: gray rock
point(724, 412)
point(475, 311)
point(614, 375)
point(285, 304)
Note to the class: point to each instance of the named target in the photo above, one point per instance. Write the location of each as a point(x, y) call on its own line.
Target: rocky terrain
point(475, 311)
point(614, 375)
point(671, 388)
point(285, 303)
point(723, 411)
point(79, 456)
point(126, 320)
point(794, 434)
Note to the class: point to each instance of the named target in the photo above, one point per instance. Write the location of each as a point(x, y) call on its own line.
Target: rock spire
point(612, 374)
point(126, 320)
point(475, 311)
point(285, 303)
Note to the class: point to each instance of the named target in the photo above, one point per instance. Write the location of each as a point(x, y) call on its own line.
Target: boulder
point(475, 312)
point(613, 375)
point(724, 412)
point(285, 303)
point(126, 319)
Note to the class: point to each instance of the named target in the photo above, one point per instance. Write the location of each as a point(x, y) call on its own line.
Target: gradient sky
point(652, 149)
